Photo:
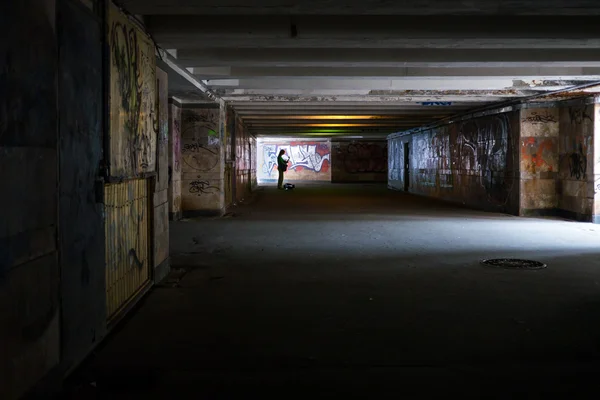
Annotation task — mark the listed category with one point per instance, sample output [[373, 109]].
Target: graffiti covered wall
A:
[[175, 161], [575, 181], [596, 166], [201, 160], [359, 161], [309, 160], [538, 160], [161, 202], [472, 162], [133, 112], [396, 163]]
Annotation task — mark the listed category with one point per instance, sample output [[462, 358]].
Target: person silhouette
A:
[[281, 167]]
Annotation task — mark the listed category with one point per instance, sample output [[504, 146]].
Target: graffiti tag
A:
[[578, 115], [200, 187], [578, 164], [536, 119]]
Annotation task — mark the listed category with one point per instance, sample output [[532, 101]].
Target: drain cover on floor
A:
[[513, 263]]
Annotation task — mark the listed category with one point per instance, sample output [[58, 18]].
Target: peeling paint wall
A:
[[359, 161], [202, 164], [575, 181], [29, 270], [309, 160], [538, 160], [471, 162], [161, 198], [175, 162]]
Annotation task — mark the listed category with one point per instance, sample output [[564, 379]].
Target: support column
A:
[[575, 182], [538, 160], [202, 156], [174, 160], [161, 203], [596, 165]]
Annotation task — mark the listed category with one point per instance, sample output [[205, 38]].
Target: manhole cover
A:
[[513, 263]]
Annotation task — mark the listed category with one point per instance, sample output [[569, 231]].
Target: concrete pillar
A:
[[227, 134], [175, 162], [202, 155], [575, 180], [244, 163], [596, 166], [161, 203], [538, 160]]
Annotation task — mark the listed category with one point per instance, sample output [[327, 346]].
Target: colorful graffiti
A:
[[310, 156], [536, 154]]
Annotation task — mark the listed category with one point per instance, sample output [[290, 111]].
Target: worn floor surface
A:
[[358, 291]]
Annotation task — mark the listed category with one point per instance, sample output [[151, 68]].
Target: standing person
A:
[[282, 167]]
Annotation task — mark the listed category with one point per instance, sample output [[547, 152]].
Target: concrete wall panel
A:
[[175, 162], [81, 223], [596, 166], [396, 163], [161, 195], [539, 161], [575, 180], [29, 271], [29, 325], [243, 160], [472, 162], [359, 161], [202, 177], [133, 119]]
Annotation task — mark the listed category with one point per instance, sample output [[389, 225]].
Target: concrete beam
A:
[[292, 112], [398, 100], [430, 83], [369, 57], [383, 31], [441, 95], [406, 73], [362, 7], [172, 64], [334, 123]]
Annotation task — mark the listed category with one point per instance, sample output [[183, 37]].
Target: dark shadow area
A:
[[387, 298]]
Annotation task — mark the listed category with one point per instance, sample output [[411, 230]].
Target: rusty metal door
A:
[[127, 230]]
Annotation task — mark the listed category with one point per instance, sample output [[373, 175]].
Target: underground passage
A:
[[356, 198]]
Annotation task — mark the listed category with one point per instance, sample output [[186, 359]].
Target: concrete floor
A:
[[360, 291]]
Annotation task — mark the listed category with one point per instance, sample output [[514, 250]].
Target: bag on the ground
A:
[[289, 186]]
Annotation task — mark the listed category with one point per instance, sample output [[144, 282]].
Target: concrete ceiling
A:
[[370, 68]]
